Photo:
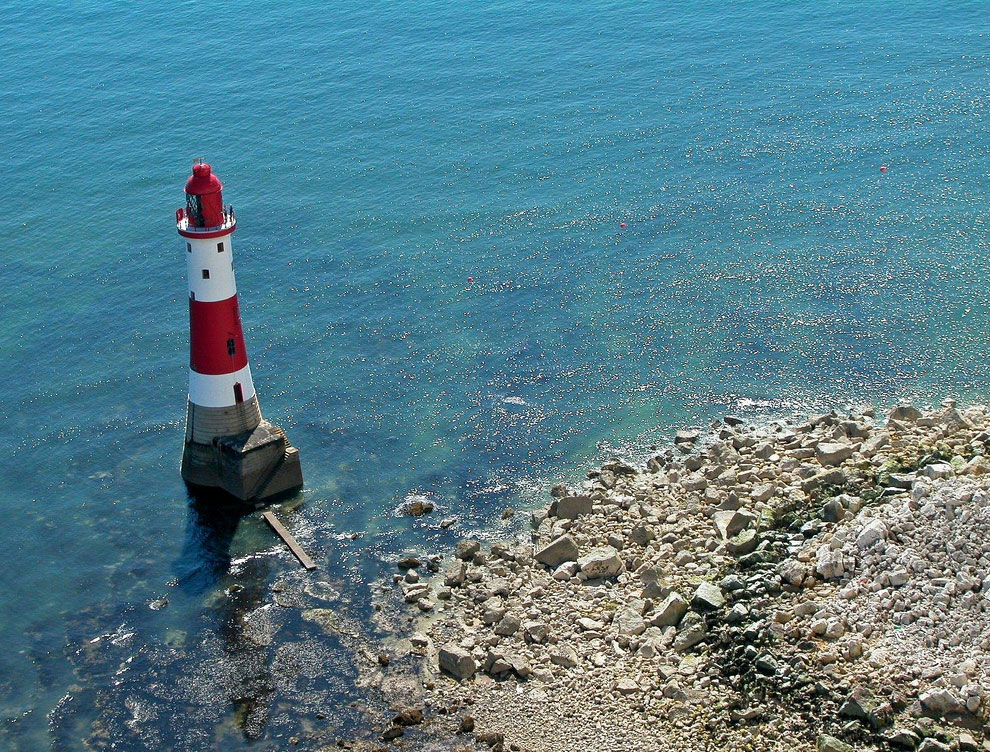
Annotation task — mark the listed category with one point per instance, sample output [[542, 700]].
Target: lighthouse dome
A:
[[203, 182]]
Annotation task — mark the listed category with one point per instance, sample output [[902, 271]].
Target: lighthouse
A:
[[228, 445]]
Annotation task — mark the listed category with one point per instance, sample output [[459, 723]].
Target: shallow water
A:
[[378, 155]]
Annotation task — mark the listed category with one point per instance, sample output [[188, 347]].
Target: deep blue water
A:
[[378, 155]]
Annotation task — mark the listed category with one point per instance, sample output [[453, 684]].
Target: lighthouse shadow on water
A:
[[229, 447], [205, 559], [214, 519]]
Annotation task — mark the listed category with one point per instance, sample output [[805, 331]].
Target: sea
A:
[[481, 247]]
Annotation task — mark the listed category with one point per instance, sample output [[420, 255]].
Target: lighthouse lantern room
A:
[[228, 445]]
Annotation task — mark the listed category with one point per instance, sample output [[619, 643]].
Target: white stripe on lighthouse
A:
[[218, 283], [218, 391]]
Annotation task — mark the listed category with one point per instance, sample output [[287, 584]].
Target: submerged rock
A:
[[417, 507]]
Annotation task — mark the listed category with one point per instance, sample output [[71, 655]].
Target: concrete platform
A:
[[252, 465]]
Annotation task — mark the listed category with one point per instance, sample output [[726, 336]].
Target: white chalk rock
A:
[[834, 629], [938, 470], [456, 661], [564, 655], [730, 523], [833, 453], [829, 563], [898, 577], [600, 562], [670, 611], [940, 700], [561, 550], [629, 620], [571, 507], [873, 532], [792, 571]]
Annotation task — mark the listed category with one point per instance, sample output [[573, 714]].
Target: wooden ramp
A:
[[285, 535]]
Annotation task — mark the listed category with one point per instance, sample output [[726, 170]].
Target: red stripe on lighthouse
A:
[[216, 340]]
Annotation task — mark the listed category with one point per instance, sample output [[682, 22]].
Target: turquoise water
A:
[[378, 155]]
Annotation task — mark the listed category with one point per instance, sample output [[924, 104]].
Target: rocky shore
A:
[[821, 584]]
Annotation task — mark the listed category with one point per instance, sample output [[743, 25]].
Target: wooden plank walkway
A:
[[285, 535]]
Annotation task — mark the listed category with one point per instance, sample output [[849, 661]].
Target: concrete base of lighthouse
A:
[[254, 464]]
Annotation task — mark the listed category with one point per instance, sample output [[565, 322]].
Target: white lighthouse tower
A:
[[228, 444]]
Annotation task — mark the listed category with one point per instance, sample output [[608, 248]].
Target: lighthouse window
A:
[[189, 247], [219, 247], [194, 210], [206, 274], [231, 347]]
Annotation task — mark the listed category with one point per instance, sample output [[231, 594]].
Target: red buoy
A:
[[883, 168], [622, 225], [470, 280]]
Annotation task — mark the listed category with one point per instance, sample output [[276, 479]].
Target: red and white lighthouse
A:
[[228, 444]]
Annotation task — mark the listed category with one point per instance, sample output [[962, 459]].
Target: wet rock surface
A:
[[819, 584], [272, 664]]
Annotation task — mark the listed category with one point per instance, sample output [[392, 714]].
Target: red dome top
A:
[[203, 181]]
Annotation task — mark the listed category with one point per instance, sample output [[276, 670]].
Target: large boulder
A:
[[618, 467], [557, 552], [904, 414], [828, 743], [496, 664], [457, 661], [571, 507], [860, 704], [641, 535], [456, 574], [938, 470], [941, 701], [833, 477], [792, 571], [873, 532], [508, 626], [932, 744], [829, 564], [708, 597], [466, 549], [600, 562], [691, 632], [903, 738], [833, 453], [742, 544], [535, 631], [563, 655], [629, 620], [732, 522], [670, 611]]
